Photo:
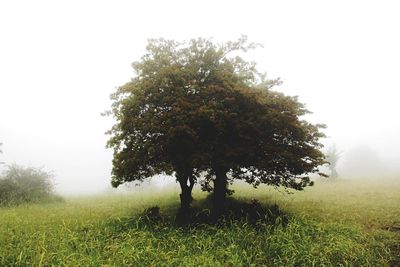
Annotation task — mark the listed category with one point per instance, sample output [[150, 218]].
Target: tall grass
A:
[[324, 226]]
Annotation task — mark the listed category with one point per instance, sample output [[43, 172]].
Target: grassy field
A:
[[347, 223]]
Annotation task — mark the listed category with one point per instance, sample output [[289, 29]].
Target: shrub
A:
[[26, 184]]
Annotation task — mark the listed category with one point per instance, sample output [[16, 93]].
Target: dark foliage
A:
[[244, 212], [151, 215], [252, 213]]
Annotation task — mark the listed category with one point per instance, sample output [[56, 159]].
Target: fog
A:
[[60, 61]]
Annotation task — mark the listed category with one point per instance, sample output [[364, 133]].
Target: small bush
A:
[[20, 185], [151, 215]]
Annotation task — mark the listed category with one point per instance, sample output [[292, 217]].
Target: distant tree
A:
[[1, 151], [332, 157], [198, 109], [19, 184]]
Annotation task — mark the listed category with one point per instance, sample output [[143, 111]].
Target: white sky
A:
[[60, 61]]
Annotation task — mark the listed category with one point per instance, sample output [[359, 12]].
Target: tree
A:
[[19, 184], [1, 151], [197, 109], [332, 157]]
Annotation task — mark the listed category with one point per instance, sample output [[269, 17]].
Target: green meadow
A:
[[343, 223]]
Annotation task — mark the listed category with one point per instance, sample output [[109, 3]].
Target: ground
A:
[[347, 223]]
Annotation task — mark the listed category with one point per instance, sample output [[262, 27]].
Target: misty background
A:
[[60, 61]]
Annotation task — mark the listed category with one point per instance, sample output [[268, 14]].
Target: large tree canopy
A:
[[197, 109]]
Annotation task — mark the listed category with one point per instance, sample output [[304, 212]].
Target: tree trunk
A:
[[186, 197], [186, 191], [220, 190]]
